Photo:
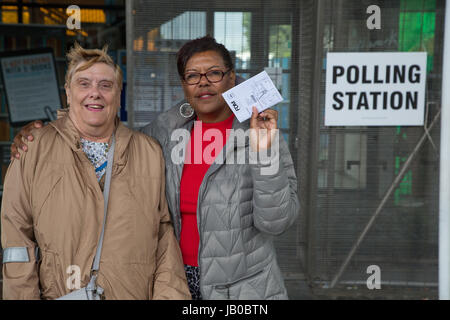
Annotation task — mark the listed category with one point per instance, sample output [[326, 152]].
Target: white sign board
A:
[[31, 86], [258, 91], [375, 89]]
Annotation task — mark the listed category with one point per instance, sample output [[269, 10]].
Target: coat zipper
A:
[[178, 174], [201, 192], [199, 219], [200, 235]]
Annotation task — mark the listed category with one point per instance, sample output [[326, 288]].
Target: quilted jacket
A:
[[239, 211]]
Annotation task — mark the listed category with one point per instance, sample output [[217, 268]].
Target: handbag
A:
[[92, 291]]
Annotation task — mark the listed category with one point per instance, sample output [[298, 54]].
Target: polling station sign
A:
[[375, 88]]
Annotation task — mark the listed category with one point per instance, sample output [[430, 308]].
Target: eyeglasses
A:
[[212, 76], [104, 85]]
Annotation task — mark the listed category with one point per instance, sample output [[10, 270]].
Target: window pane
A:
[[232, 29]]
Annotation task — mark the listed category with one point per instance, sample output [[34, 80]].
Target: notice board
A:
[[31, 85]]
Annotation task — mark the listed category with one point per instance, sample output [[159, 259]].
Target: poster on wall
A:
[[375, 88], [31, 85]]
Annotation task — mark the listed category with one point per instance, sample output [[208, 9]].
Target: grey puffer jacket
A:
[[239, 211]]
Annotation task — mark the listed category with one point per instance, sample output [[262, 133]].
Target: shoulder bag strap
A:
[[95, 266]]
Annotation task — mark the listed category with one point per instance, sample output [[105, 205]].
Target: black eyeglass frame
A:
[[204, 74]]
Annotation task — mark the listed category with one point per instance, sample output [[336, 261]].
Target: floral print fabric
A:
[[97, 153]]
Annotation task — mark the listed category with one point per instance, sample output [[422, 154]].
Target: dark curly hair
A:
[[198, 45]]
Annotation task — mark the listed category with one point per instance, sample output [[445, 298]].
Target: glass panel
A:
[[416, 33], [232, 29], [357, 166], [280, 42], [351, 161], [186, 26], [279, 60]]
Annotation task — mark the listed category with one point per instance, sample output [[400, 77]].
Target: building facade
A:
[[369, 194], [363, 209]]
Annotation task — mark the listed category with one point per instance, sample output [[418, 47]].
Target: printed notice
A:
[[31, 86], [258, 91], [375, 88]]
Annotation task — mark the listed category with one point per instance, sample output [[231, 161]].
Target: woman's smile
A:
[[94, 107]]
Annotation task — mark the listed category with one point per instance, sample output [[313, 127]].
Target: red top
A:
[[194, 170]]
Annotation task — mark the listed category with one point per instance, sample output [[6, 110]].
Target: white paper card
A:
[[258, 91]]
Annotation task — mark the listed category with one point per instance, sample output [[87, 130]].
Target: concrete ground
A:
[[301, 290]]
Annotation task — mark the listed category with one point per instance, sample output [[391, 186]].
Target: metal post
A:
[[129, 19], [391, 189], [444, 172], [314, 128]]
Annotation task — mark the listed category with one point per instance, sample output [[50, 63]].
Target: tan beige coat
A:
[[52, 199]]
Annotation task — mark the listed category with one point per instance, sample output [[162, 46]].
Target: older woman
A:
[[53, 201], [225, 214]]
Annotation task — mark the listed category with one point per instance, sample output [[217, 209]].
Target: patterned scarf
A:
[[97, 153]]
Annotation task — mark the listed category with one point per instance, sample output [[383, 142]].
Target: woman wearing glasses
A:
[[225, 213]]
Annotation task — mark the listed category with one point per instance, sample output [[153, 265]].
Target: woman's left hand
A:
[[263, 127]]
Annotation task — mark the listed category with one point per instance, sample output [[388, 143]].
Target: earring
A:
[[186, 110]]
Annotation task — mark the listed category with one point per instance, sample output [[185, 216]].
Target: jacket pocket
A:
[[47, 273], [226, 288]]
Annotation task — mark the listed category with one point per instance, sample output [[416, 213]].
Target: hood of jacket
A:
[[66, 128]]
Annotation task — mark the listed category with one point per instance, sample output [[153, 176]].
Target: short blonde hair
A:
[[80, 59]]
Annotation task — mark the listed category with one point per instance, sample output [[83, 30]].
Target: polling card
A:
[[258, 91]]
